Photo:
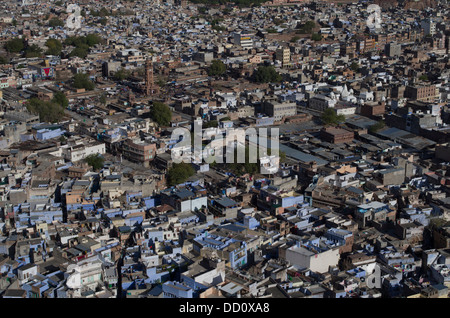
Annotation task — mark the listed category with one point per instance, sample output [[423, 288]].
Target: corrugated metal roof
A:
[[301, 156]]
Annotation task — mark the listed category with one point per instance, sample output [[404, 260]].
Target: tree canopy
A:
[[15, 45], [60, 99], [239, 168], [103, 12], [211, 124], [266, 74], [295, 39], [48, 111], [376, 127], [80, 52], [79, 41], [217, 68], [54, 47], [82, 80], [179, 173], [82, 44], [316, 37], [33, 51], [103, 99], [306, 28], [55, 22], [354, 66], [3, 60], [329, 117], [121, 74], [161, 114], [96, 161]]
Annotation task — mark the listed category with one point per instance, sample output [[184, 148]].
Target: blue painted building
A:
[[177, 290], [229, 249], [44, 134]]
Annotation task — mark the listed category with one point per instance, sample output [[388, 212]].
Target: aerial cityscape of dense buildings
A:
[[344, 104]]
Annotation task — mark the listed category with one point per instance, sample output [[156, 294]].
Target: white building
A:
[[85, 275], [313, 259], [26, 272], [76, 150]]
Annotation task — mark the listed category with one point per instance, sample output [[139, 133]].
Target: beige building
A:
[[314, 260], [283, 55], [278, 110]]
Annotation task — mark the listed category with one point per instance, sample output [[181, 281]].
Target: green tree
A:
[[266, 74], [96, 161], [82, 80], [218, 28], [239, 168], [316, 37], [376, 127], [295, 39], [80, 52], [54, 47], [103, 99], [329, 117], [33, 51], [310, 25], [306, 28], [217, 68], [55, 22], [179, 173], [423, 77], [74, 41], [161, 114], [121, 74], [15, 45], [104, 12], [92, 39], [82, 44], [211, 124], [354, 66], [60, 99], [47, 111], [3, 60]]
